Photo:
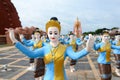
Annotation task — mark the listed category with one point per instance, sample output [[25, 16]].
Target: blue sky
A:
[[93, 14]]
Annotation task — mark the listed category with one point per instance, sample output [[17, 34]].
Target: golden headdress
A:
[[53, 23]]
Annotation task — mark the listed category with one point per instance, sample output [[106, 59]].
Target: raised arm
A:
[[96, 46], [115, 47], [25, 50], [75, 55], [26, 42], [30, 53], [44, 44], [67, 41], [80, 54], [79, 42]]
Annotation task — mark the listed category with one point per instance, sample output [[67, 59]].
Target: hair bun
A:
[[54, 18]]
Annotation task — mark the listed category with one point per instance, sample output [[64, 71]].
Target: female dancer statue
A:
[[104, 51], [55, 53]]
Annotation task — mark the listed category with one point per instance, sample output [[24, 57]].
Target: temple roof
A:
[[77, 23], [8, 16]]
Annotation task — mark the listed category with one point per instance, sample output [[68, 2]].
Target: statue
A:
[[77, 28]]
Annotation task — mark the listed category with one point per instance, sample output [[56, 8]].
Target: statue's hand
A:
[[90, 43], [11, 34], [21, 36]]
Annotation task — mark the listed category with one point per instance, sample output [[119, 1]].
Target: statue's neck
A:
[[54, 44]]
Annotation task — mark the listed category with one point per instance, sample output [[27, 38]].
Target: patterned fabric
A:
[[54, 62], [73, 44], [40, 68], [118, 43], [38, 45], [56, 55], [107, 48], [105, 71]]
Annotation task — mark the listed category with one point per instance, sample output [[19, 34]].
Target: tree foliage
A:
[[98, 31]]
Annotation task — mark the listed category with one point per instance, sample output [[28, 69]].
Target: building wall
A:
[[3, 39], [8, 18]]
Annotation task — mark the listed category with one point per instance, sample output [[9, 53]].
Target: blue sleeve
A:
[[60, 39], [27, 42], [96, 46], [75, 55], [67, 41], [113, 43], [79, 42], [47, 40], [115, 47], [86, 38], [44, 44], [32, 54]]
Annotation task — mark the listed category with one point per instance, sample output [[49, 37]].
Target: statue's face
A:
[[71, 36], [53, 34], [117, 37], [105, 37], [62, 37], [32, 36], [37, 35]]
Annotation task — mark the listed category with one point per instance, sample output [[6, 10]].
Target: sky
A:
[[93, 14]]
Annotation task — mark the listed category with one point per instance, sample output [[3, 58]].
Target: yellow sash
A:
[[73, 44], [118, 43], [107, 48], [44, 40], [38, 45], [57, 56]]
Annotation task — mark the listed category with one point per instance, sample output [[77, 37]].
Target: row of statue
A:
[[51, 49]]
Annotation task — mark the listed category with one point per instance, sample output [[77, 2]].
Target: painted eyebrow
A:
[[50, 31], [55, 31], [106, 36]]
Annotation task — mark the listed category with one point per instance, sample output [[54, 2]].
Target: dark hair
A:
[[36, 29], [40, 32], [71, 33], [105, 32], [117, 33], [33, 32], [55, 19]]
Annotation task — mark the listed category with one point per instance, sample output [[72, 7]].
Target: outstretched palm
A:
[[11, 34]]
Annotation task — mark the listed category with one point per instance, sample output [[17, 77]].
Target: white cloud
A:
[[93, 14]]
